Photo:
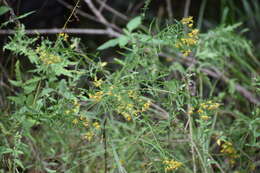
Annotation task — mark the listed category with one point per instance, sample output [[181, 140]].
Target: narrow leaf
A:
[[108, 44], [134, 23], [3, 10]]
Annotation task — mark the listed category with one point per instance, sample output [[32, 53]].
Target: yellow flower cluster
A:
[[206, 106], [127, 102], [125, 109], [209, 105], [171, 165], [97, 96], [64, 36], [190, 39], [75, 107], [88, 136], [87, 124], [97, 83], [146, 106], [128, 108], [228, 149], [47, 58], [187, 21], [96, 125]]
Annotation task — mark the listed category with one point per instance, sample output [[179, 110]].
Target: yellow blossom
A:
[[97, 83], [178, 45], [103, 64], [171, 165], [193, 33], [146, 106], [88, 136], [82, 118], [126, 115], [186, 52], [213, 106], [200, 111], [85, 123], [46, 57], [204, 117], [67, 111], [64, 36], [190, 25], [96, 125], [75, 121], [187, 20], [189, 41], [228, 149], [97, 96], [203, 105]]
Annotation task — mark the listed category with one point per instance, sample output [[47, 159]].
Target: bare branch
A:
[[187, 8], [169, 8], [108, 31], [78, 11], [215, 73], [100, 17], [108, 8]]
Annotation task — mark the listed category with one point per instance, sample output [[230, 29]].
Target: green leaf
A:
[[134, 23], [16, 83], [18, 71], [123, 40], [29, 88], [108, 44], [3, 10], [19, 163]]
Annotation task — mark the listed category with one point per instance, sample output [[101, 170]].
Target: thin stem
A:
[[187, 8], [105, 145], [201, 13]]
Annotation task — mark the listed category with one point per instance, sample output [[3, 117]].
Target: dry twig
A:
[[108, 31]]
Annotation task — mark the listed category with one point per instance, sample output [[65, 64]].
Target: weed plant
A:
[[172, 104]]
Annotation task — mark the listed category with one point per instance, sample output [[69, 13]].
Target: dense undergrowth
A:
[[172, 101]]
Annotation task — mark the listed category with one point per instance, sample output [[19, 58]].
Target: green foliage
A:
[[157, 111], [3, 10]]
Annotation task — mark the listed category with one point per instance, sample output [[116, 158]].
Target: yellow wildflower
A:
[[97, 96], [126, 115], [46, 57], [82, 118], [189, 41], [193, 33], [88, 136], [97, 83], [75, 121], [96, 125], [213, 106], [200, 111], [228, 149], [64, 36], [204, 117], [171, 165], [186, 52], [85, 123], [146, 106], [203, 105], [103, 64], [187, 20]]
